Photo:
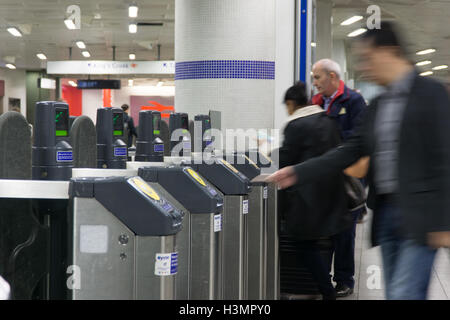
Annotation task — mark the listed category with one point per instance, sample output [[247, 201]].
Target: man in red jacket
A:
[[346, 107]]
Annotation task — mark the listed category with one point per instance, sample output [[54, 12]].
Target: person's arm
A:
[[355, 115], [359, 169], [333, 161]]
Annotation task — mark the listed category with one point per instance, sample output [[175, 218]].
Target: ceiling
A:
[[424, 24], [104, 24]]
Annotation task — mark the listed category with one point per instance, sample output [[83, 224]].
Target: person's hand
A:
[[439, 239], [284, 178]]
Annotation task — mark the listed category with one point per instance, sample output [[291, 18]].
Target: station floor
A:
[[365, 257]]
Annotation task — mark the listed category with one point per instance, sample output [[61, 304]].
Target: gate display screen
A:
[[61, 122], [118, 124], [156, 124]]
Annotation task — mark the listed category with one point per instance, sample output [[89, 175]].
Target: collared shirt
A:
[[327, 101], [387, 129]]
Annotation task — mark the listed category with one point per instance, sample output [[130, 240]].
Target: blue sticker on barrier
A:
[[120, 152], [158, 148], [64, 156], [174, 263]]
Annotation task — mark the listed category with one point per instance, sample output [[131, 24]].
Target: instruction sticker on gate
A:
[[245, 206], [166, 264], [120, 152], [217, 222], [265, 193]]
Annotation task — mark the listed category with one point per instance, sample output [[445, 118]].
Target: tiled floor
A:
[[369, 274]]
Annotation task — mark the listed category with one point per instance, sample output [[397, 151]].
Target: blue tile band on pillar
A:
[[225, 69]]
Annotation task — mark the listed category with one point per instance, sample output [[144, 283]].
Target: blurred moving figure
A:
[[346, 107], [5, 289], [130, 123], [406, 133], [313, 211]]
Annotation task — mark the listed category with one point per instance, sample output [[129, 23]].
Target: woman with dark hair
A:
[[312, 213]]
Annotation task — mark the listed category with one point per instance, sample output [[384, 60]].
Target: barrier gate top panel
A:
[[187, 186], [223, 175], [133, 202]]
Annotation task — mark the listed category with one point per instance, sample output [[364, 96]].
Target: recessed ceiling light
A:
[[72, 83], [351, 20], [132, 56], [130, 82], [41, 56], [423, 63], [444, 66], [313, 44], [356, 32], [86, 54], [133, 11], [426, 73], [160, 84], [10, 66], [14, 31], [427, 51], [69, 24], [97, 16], [132, 28], [81, 45]]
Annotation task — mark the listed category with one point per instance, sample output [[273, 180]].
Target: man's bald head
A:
[[327, 75]]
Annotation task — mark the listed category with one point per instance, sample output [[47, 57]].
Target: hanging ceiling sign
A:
[[111, 67]]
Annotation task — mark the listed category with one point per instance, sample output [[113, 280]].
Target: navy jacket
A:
[[346, 107]]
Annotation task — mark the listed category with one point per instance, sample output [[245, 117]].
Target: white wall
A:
[[93, 99], [123, 95], [285, 57], [15, 87]]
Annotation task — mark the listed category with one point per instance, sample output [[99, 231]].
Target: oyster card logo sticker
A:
[[196, 177], [145, 188]]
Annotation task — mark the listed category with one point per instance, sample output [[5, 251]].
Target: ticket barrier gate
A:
[[235, 188], [257, 226], [201, 229], [122, 253]]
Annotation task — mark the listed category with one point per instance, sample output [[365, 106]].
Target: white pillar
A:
[[225, 60]]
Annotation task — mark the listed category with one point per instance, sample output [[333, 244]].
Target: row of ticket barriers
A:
[[81, 217]]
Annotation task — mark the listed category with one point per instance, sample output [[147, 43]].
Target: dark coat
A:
[[346, 108], [423, 164], [319, 209]]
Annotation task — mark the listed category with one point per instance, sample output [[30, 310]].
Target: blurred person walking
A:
[[128, 120], [405, 131]]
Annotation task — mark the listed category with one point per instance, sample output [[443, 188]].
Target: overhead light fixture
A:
[[160, 84], [130, 82], [426, 73], [423, 63], [132, 28], [72, 83], [356, 32], [69, 24], [86, 54], [81, 45], [132, 56], [427, 51], [133, 11], [444, 66], [41, 56], [313, 44], [14, 31], [351, 20], [10, 66]]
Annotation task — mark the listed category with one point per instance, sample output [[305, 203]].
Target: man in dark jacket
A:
[[314, 211], [405, 132], [346, 107], [130, 125]]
